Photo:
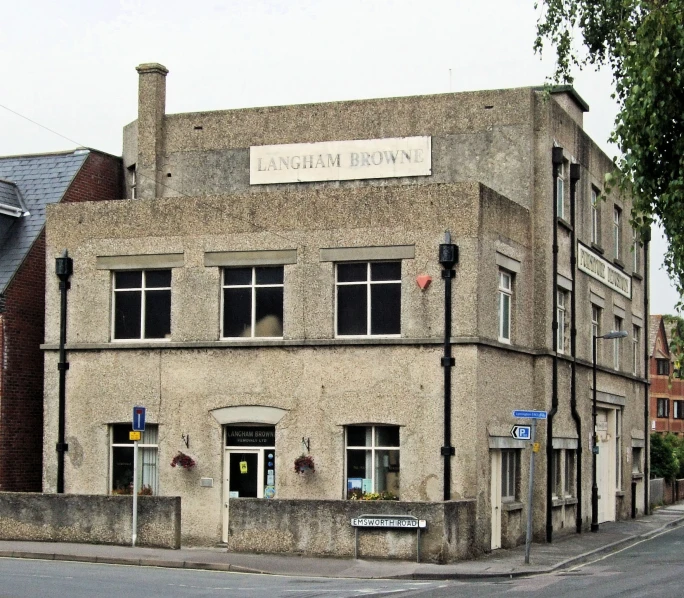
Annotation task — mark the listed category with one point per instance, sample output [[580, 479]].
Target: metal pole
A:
[[135, 493], [528, 538], [594, 449]]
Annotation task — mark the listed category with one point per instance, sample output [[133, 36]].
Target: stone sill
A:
[[597, 247], [564, 502], [637, 276], [564, 223], [512, 506]]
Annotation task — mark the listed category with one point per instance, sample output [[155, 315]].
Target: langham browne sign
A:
[[340, 160], [598, 268]]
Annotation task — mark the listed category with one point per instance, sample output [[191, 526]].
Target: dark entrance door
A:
[[243, 472]]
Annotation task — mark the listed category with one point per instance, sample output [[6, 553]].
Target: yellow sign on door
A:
[[243, 466]]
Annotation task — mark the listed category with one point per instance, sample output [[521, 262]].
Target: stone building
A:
[[277, 291], [28, 184]]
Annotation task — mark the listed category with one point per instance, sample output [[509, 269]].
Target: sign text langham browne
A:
[[340, 160]]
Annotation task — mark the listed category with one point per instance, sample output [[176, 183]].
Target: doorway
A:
[[606, 464], [496, 498]]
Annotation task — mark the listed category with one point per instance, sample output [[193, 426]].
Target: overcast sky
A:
[[70, 65]]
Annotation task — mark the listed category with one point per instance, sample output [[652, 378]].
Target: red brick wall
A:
[[22, 327], [664, 387]]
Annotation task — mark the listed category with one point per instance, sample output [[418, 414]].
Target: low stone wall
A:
[[323, 528], [92, 519]]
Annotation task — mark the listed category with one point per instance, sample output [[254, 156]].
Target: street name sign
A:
[[528, 414], [395, 521], [521, 432], [139, 419]]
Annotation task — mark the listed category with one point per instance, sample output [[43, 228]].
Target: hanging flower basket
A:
[[304, 463], [184, 461]]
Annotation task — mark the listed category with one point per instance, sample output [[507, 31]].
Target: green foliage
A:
[[642, 43], [667, 456]]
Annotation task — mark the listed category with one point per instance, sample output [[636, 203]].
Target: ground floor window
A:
[[510, 475], [121, 460], [372, 461]]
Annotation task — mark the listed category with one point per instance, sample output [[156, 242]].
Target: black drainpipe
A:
[[64, 267], [647, 431], [574, 177], [448, 256], [557, 160]]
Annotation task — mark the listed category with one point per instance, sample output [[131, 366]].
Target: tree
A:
[[642, 43], [664, 451]]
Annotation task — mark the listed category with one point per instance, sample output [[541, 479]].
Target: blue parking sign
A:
[[139, 419]]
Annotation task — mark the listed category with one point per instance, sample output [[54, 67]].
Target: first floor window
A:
[[368, 299], [636, 333], [595, 217], [617, 228], [595, 325], [509, 475], [372, 461], [663, 408], [677, 409], [561, 317], [504, 307], [663, 367], [253, 302], [121, 460], [560, 189], [616, 344], [142, 304]]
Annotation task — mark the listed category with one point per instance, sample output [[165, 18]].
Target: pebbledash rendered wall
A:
[[491, 185]]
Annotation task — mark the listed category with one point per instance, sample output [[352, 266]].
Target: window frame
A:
[[253, 286], [509, 494], [561, 319], [636, 340], [504, 307], [569, 473], [141, 446], [595, 217], [662, 407], [662, 367], [369, 283], [560, 189], [373, 448], [616, 343], [677, 409], [617, 229], [635, 251], [143, 304]]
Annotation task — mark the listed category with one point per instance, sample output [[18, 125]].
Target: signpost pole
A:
[[135, 493], [528, 538]]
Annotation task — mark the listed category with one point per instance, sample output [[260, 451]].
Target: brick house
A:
[[667, 394], [27, 185]]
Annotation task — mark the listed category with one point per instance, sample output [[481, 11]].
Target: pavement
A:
[[564, 552]]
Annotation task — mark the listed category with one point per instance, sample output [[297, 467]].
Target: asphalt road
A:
[[653, 568]]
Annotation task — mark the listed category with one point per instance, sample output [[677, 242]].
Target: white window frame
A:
[[369, 305], [616, 344], [143, 444], [372, 448], [560, 189], [143, 304], [510, 458], [636, 337], [595, 222], [505, 299], [617, 225], [635, 251], [253, 286], [561, 314]]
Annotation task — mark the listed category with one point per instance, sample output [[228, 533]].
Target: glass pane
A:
[[243, 474], [120, 433], [352, 309], [239, 276], [386, 271], [385, 309], [359, 435], [272, 275], [387, 472], [149, 436], [504, 473], [122, 470], [387, 436], [505, 315], [148, 478], [127, 280], [157, 314], [356, 464], [127, 308], [352, 272], [269, 311], [158, 278], [237, 312], [511, 474]]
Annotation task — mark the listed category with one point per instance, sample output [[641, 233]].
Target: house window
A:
[[569, 474], [617, 222], [663, 408], [133, 181], [637, 466], [561, 316], [560, 189], [121, 460], [372, 460], [635, 251], [595, 325], [636, 334], [595, 217], [509, 475], [677, 409], [616, 344], [663, 367], [142, 304], [505, 295], [368, 299], [557, 473], [252, 302]]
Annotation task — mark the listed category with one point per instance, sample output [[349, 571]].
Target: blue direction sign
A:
[[521, 432], [139, 419], [529, 414]]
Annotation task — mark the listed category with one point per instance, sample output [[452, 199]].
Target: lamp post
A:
[[594, 448]]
